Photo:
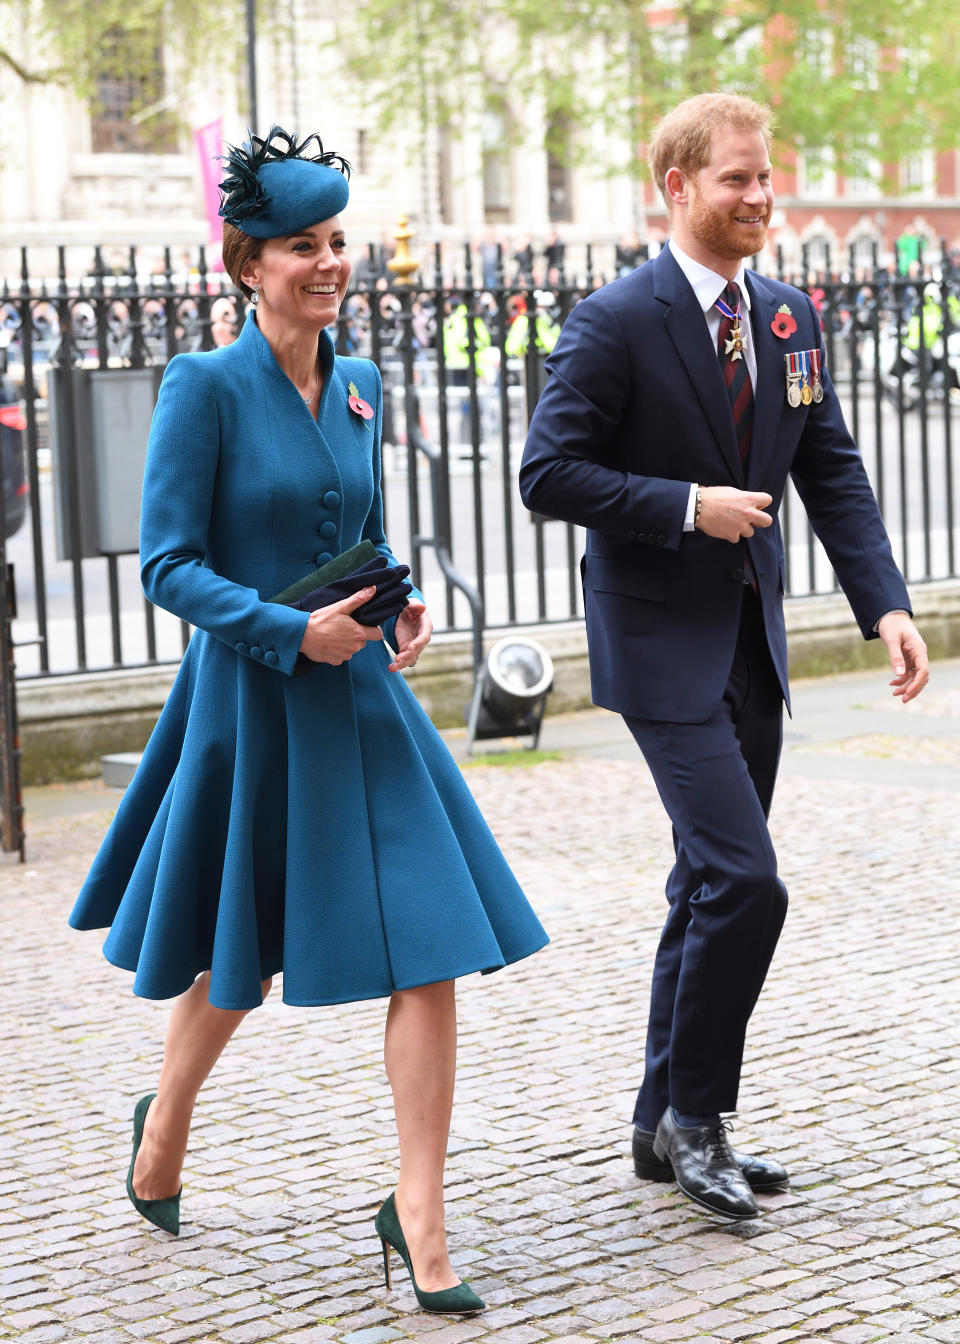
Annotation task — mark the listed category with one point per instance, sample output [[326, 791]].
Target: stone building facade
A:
[[64, 180]]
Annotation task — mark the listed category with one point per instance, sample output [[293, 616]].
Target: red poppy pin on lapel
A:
[[784, 324], [358, 405]]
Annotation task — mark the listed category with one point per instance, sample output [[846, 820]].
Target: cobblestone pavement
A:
[[852, 1078]]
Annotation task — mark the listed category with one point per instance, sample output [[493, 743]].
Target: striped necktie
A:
[[736, 375]]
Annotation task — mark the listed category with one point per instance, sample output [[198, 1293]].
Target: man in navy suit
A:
[[680, 398]]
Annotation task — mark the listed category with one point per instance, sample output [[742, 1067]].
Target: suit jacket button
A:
[[331, 499], [256, 651], [243, 648], [737, 575], [631, 534], [661, 540], [328, 530], [323, 558], [271, 657]]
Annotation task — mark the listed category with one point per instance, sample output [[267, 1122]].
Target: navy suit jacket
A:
[[634, 410]]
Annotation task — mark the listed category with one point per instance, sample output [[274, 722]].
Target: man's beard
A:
[[721, 234]]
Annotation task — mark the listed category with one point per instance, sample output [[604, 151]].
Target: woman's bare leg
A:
[[420, 1053], [196, 1035]]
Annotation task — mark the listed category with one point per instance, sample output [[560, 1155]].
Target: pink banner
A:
[[209, 142]]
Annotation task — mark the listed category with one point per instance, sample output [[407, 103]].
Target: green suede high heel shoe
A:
[[458, 1300], [163, 1213]]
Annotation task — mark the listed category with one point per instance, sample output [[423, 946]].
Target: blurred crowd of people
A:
[[905, 303]]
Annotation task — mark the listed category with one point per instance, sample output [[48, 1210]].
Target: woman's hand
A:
[[333, 636], [412, 633]]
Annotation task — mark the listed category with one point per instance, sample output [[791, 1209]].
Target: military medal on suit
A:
[[736, 342], [804, 383]]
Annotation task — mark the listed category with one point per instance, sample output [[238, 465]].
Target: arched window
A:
[[125, 87], [817, 252], [497, 194], [559, 186], [863, 248]]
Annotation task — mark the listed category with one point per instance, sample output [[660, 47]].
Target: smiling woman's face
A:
[[302, 278]]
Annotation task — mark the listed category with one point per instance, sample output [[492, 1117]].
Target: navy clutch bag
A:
[[356, 568], [389, 599], [351, 559]]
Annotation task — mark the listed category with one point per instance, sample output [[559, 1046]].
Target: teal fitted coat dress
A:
[[311, 824]]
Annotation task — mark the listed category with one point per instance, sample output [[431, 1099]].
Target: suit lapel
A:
[[687, 329], [768, 395]]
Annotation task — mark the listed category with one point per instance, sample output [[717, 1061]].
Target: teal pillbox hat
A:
[[274, 189]]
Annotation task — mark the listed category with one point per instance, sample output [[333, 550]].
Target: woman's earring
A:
[[255, 295]]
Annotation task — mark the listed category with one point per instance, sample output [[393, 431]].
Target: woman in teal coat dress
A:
[[311, 824]]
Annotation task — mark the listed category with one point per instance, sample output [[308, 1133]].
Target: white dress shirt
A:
[[708, 286]]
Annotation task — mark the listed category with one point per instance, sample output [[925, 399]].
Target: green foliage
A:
[[873, 82], [518, 756], [72, 42]]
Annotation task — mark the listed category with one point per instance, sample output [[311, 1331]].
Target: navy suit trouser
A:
[[726, 903]]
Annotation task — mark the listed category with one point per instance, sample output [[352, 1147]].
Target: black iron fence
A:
[[462, 363]]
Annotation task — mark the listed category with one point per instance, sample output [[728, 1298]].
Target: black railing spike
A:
[[470, 455]]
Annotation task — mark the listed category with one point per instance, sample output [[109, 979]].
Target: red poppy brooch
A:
[[11, 417], [784, 324], [359, 406]]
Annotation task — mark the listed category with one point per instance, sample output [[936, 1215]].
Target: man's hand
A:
[[908, 654], [729, 514]]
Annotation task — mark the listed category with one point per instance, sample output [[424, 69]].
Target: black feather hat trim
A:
[[242, 193]]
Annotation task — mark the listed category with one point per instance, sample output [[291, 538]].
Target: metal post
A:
[[411, 415], [11, 799], [439, 308], [471, 298], [251, 9], [948, 290], [33, 470], [63, 362], [506, 474]]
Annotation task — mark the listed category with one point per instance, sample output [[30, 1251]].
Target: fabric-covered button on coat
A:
[[313, 824]]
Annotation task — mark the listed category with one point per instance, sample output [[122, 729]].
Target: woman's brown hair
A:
[[238, 250]]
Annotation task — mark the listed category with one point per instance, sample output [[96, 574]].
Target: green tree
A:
[[873, 82], [73, 43]]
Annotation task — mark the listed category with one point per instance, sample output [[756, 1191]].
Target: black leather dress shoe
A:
[[761, 1173], [704, 1167]]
